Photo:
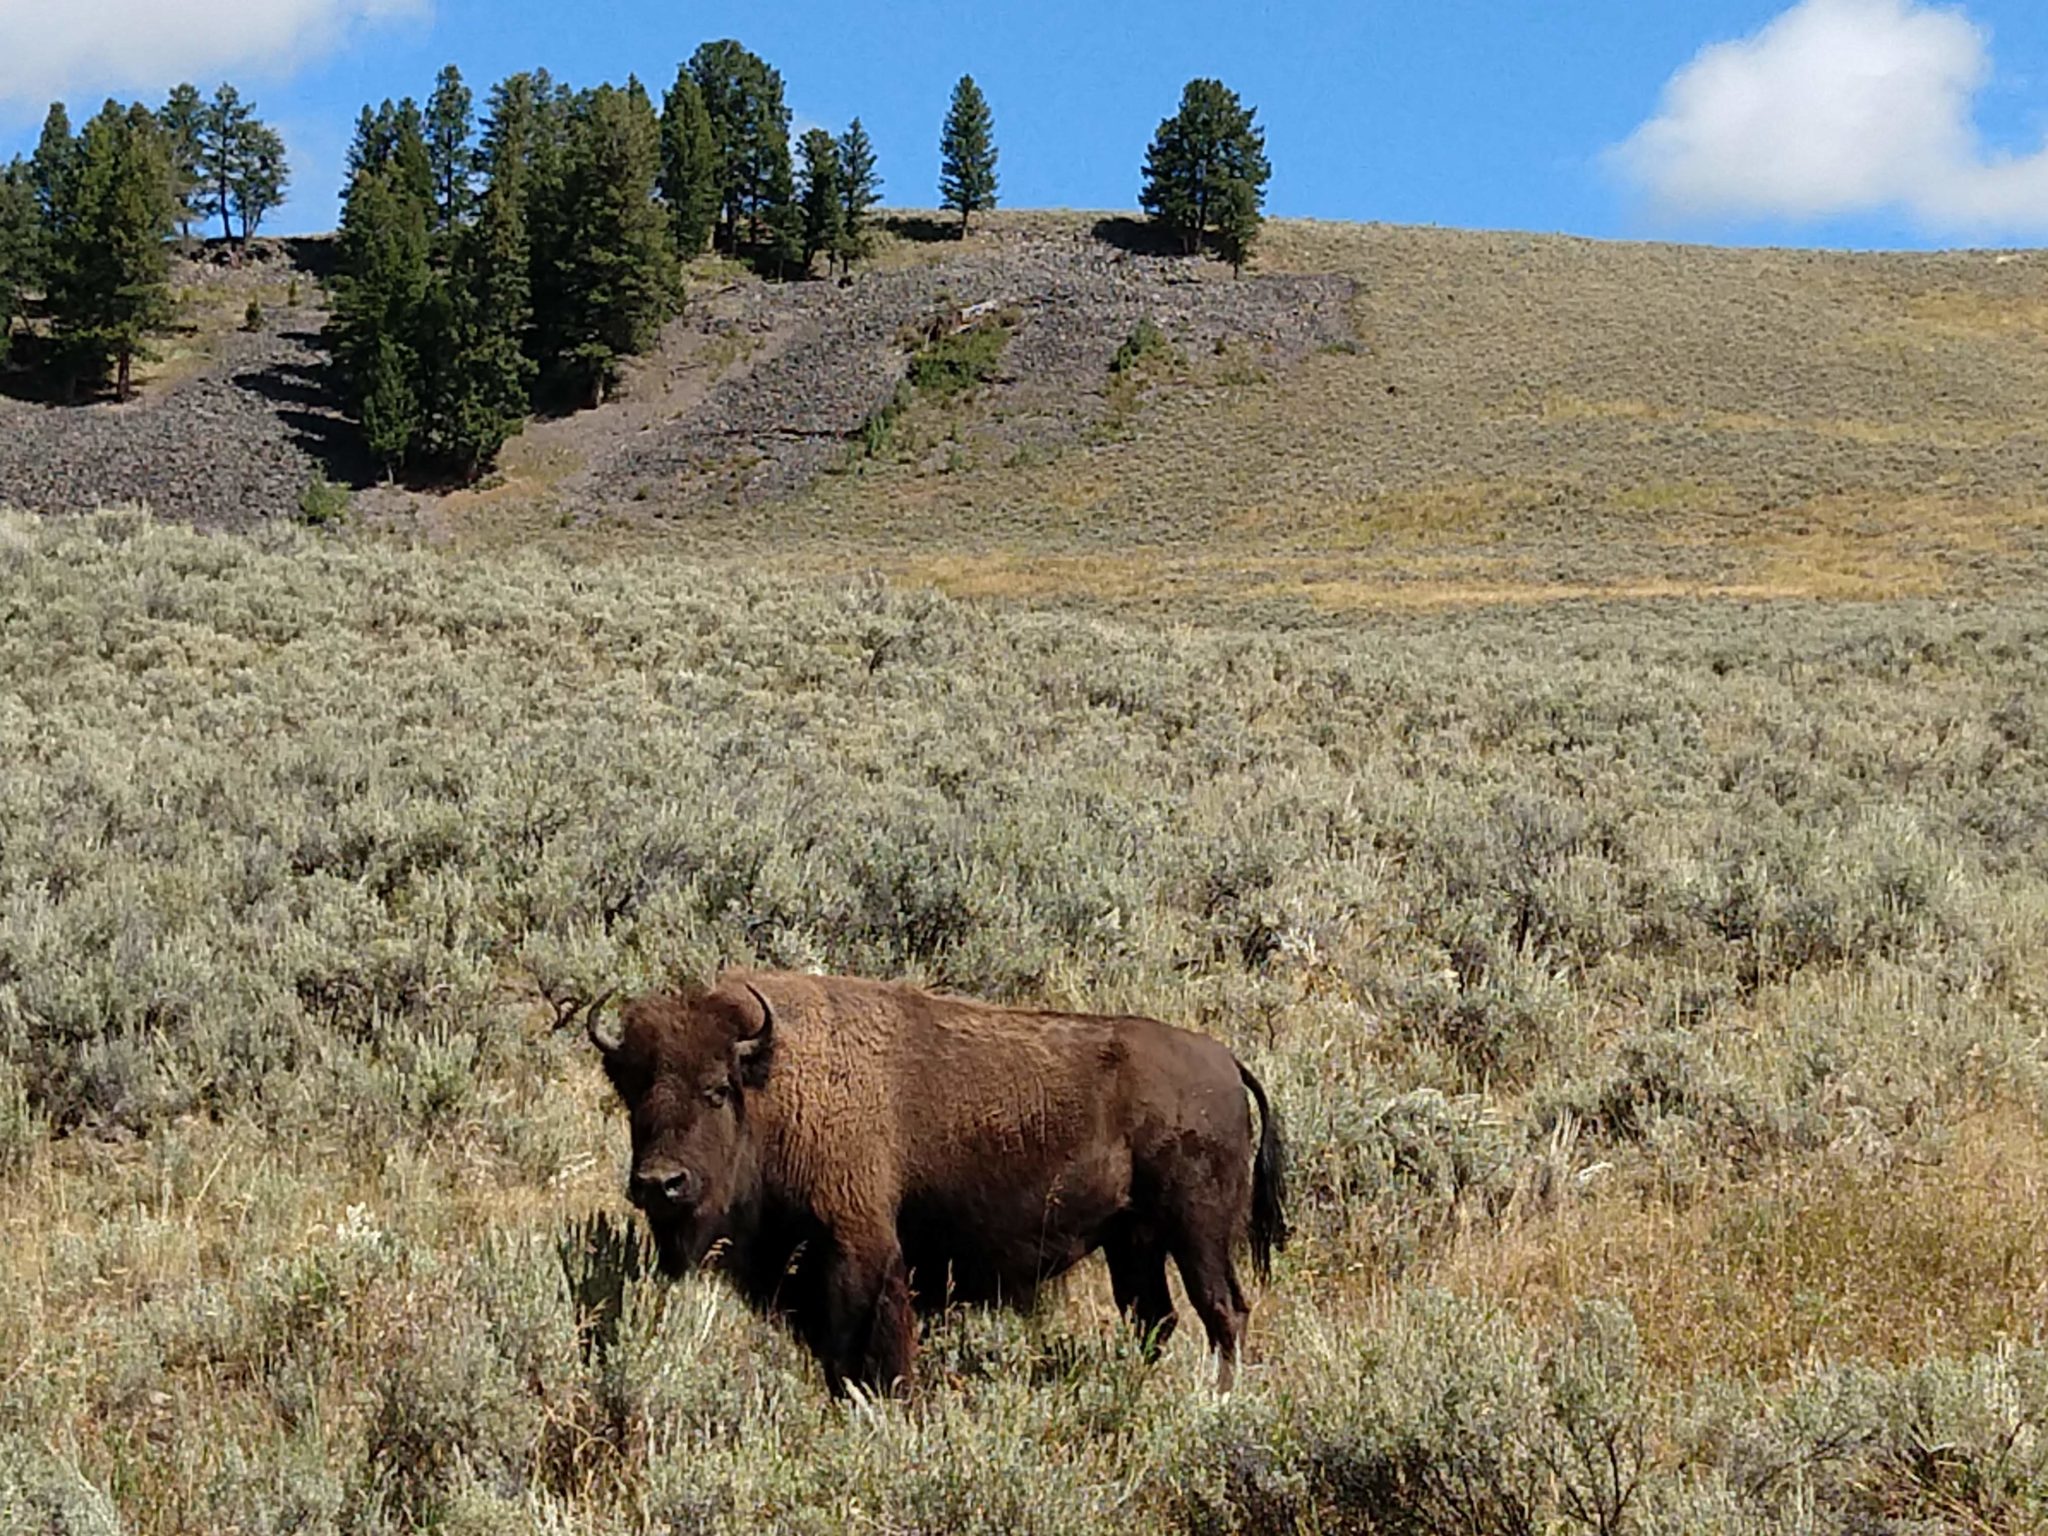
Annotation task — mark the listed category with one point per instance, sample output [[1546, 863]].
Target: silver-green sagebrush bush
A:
[[306, 844]]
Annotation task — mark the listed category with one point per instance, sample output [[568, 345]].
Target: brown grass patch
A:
[[1974, 314], [1829, 1262]]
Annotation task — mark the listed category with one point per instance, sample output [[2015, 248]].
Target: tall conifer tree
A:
[[53, 168], [619, 279], [109, 270], [222, 151], [511, 122], [967, 153], [184, 121], [20, 248], [750, 131], [1206, 171], [450, 122], [860, 188], [242, 164], [263, 176], [823, 196], [490, 380], [380, 298], [689, 166]]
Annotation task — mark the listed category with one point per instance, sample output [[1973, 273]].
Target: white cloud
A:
[[54, 49], [1838, 107]]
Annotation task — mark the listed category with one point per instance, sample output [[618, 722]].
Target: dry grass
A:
[[1747, 424], [1841, 1259], [1668, 940]]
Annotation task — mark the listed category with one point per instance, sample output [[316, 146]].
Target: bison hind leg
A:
[[1137, 1274], [1210, 1276]]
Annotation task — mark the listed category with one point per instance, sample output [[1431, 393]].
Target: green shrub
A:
[[1146, 344], [323, 504], [959, 362]]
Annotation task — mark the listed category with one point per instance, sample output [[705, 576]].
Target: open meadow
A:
[[1606, 805]]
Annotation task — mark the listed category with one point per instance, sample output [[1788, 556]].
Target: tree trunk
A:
[[122, 373]]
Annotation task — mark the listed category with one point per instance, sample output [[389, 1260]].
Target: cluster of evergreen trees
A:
[[85, 224], [225, 161], [729, 179], [472, 271], [482, 276]]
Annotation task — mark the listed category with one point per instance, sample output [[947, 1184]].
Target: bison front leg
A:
[[870, 1335]]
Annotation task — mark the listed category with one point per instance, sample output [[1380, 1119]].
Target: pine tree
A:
[[395, 132], [409, 159], [823, 195], [20, 248], [222, 146], [388, 407], [450, 122], [512, 116], [860, 188], [109, 266], [750, 132], [381, 295], [54, 168], [370, 147], [490, 383], [618, 277], [183, 117], [542, 186], [1206, 171], [967, 153], [260, 180], [1237, 222], [689, 166]]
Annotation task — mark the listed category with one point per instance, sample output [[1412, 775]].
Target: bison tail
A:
[[1269, 1183]]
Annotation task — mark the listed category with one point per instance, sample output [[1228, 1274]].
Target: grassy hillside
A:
[[1514, 418], [1653, 990]]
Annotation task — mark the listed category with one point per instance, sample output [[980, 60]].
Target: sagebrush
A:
[[1652, 992]]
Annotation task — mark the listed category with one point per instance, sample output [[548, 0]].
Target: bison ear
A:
[[751, 1053]]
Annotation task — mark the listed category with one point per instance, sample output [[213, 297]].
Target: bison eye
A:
[[717, 1095]]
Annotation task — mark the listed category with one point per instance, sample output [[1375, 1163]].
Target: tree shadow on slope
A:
[[33, 373], [305, 399], [317, 256], [1139, 237], [922, 228], [20, 380]]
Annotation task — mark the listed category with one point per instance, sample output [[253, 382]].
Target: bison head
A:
[[684, 1066]]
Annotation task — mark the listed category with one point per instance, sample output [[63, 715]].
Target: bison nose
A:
[[656, 1188]]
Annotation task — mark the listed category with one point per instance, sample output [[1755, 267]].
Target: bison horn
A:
[[593, 1024], [758, 1042]]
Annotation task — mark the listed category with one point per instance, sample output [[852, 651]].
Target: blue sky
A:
[[1830, 122]]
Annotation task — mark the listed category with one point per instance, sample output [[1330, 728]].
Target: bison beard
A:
[[853, 1153]]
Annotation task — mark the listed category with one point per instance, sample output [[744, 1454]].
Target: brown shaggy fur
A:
[[853, 1152]]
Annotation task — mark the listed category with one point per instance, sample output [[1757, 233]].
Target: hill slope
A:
[[1378, 416]]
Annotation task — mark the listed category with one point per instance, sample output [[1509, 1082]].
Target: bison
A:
[[853, 1154]]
